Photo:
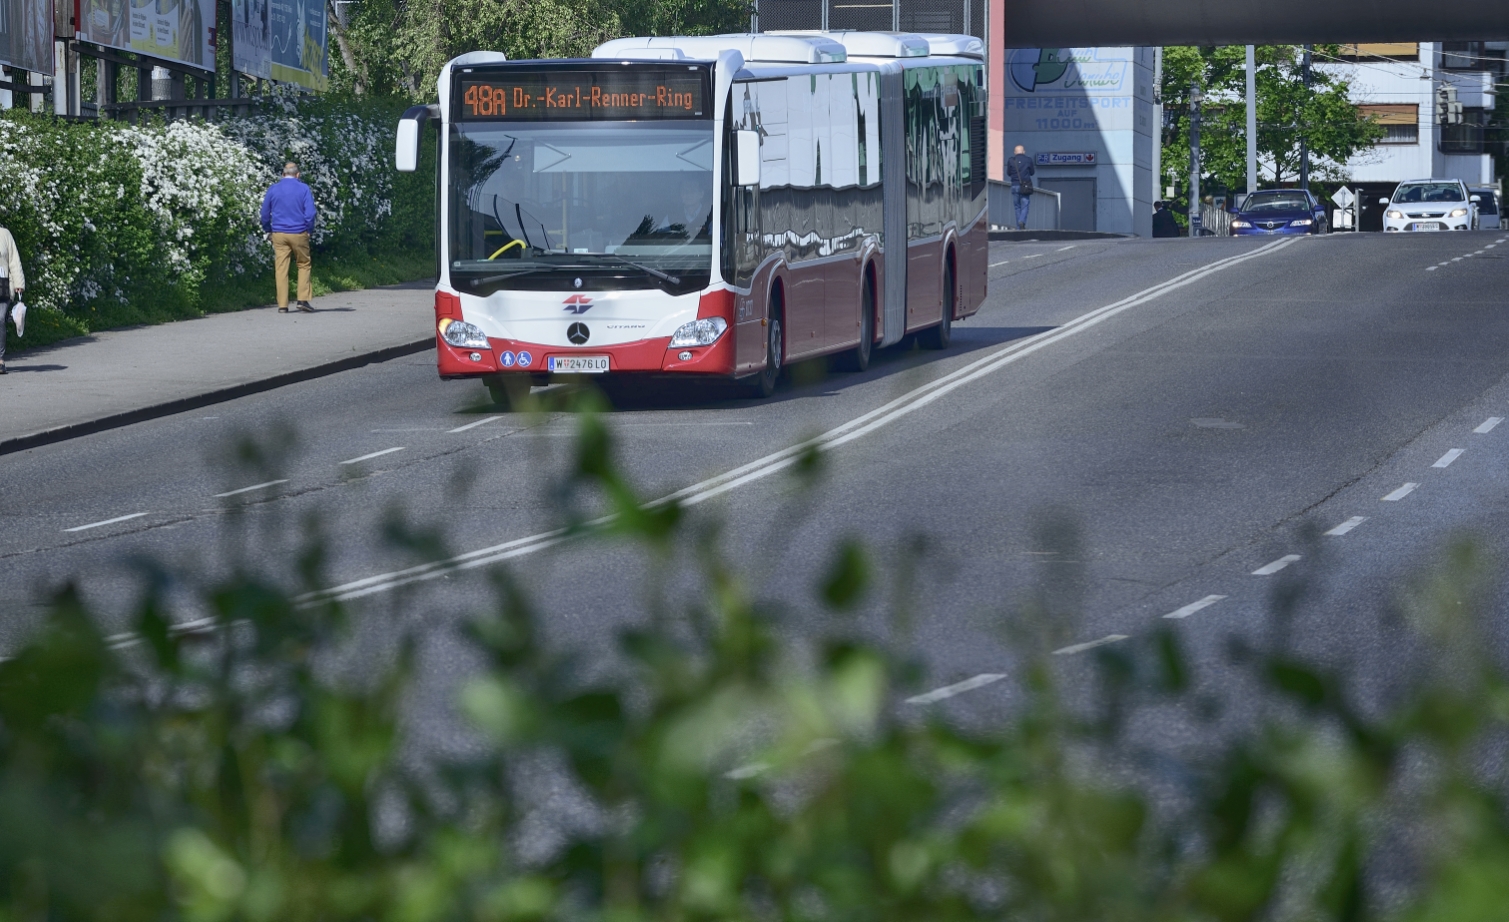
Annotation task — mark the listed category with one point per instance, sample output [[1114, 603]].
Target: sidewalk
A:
[[120, 377]]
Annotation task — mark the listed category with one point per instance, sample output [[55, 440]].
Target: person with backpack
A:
[[1019, 171], [12, 283]]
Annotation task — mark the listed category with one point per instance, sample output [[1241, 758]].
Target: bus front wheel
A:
[[775, 358]]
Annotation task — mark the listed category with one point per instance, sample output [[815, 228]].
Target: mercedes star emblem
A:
[[578, 333]]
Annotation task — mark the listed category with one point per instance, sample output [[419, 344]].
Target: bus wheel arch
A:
[[762, 383], [940, 335], [858, 358]]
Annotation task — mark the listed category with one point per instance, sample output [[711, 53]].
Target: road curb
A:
[[1047, 236], [168, 408]]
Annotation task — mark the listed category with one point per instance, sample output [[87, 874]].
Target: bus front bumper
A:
[[646, 356]]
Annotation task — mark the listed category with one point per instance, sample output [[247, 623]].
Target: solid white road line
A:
[[1277, 565], [480, 422], [1446, 459], [781, 460], [259, 486], [119, 518], [1193, 607], [1082, 647], [1400, 493], [1488, 425], [958, 688], [1348, 525], [375, 454]]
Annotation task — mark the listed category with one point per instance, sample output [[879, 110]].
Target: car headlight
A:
[[1240, 223], [1459, 213], [1301, 222], [462, 335], [1396, 214], [702, 332]]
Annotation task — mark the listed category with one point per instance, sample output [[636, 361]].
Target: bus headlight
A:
[[462, 335], [702, 332]]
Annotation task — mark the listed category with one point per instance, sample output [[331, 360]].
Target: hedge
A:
[[125, 224]]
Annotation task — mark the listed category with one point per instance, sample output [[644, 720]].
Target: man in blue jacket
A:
[[288, 220]]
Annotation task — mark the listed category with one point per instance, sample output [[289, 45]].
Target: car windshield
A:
[[535, 202], [1259, 202], [1420, 192]]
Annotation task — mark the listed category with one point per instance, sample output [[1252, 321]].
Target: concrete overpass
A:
[[1082, 23]]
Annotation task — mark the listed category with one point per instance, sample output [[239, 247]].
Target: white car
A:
[[1488, 209], [1430, 205]]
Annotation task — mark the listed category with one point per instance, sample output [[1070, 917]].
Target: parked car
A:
[[1431, 205], [1488, 209], [1279, 211]]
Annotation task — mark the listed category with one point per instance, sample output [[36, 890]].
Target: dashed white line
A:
[[375, 454], [1348, 525], [958, 688], [119, 518], [480, 422], [1400, 493], [1488, 425], [1272, 568], [1069, 247], [1446, 459], [1193, 607], [1431, 268], [258, 486], [1082, 647]]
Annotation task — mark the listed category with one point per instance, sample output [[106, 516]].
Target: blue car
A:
[[1279, 211]]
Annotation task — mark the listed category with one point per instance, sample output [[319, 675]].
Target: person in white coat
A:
[[12, 283]]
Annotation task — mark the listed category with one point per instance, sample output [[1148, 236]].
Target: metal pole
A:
[[1195, 98], [825, 15], [1304, 130], [1252, 180]]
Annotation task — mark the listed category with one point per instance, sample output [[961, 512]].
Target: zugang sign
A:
[[622, 93]]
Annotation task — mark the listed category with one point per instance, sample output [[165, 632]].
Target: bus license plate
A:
[[579, 364]]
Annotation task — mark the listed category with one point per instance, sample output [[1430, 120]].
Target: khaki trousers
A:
[[284, 247]]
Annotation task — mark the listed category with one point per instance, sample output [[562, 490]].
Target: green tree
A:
[[1288, 112]]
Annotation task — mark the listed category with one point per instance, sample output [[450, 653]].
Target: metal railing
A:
[[1042, 214]]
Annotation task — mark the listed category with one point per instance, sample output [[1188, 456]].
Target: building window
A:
[[1463, 56], [1467, 137], [1401, 123], [1393, 51]]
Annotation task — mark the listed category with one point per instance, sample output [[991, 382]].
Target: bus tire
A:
[[509, 391], [940, 336], [858, 358], [764, 383]]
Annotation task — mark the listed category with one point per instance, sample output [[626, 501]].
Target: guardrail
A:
[[1042, 214]]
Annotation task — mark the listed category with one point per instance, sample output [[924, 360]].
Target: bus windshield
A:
[[581, 204]]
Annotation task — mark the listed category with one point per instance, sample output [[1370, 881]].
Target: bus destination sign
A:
[[620, 94]]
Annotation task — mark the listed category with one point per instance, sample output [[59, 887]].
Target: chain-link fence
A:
[[958, 17]]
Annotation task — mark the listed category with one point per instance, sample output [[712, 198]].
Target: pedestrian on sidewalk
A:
[[12, 283], [288, 220], [1164, 222], [1019, 170]]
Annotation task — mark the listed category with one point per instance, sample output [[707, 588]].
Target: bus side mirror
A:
[[410, 129], [747, 158]]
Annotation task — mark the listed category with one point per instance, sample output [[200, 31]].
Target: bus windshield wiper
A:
[[647, 270], [489, 279]]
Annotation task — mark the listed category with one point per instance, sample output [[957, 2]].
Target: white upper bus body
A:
[[615, 214]]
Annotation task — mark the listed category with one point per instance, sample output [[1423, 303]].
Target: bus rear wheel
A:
[[940, 336], [764, 383], [858, 358]]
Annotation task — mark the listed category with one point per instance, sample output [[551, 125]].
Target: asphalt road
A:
[[1128, 428]]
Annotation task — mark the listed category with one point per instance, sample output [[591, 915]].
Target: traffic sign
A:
[[1344, 197]]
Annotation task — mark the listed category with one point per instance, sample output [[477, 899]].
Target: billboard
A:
[[26, 34], [299, 42], [170, 30], [251, 53]]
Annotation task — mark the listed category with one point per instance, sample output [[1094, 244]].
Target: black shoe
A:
[[3, 371], [304, 306]]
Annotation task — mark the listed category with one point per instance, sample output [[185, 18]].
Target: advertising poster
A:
[[251, 33], [26, 34], [170, 30], [300, 41]]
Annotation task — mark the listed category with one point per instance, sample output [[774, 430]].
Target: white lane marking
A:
[[1456, 259], [1348, 525], [259, 486], [480, 422], [958, 688], [1488, 425], [1431, 268], [1272, 568], [778, 461], [1082, 647], [1193, 607], [119, 518], [1032, 255], [1446, 459], [375, 454], [1400, 493], [1069, 247], [1001, 263]]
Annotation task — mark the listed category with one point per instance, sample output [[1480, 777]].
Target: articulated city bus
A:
[[714, 206]]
